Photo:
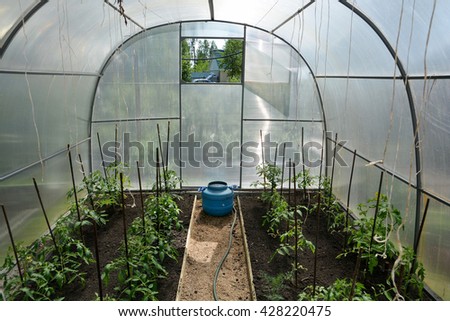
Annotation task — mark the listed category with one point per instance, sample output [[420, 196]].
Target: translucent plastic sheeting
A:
[[372, 116], [335, 41], [150, 13], [11, 12], [276, 136], [19, 196], [211, 29], [67, 36], [434, 249], [40, 115], [137, 141], [142, 79], [431, 101], [265, 14], [423, 44], [211, 130], [278, 83], [364, 187]]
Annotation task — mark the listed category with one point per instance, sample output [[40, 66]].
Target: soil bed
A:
[[261, 249]]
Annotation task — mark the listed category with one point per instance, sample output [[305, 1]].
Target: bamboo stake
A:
[[142, 197], [115, 151], [303, 164], [47, 221], [101, 155], [162, 156], [282, 167], [75, 194], [296, 231], [262, 156], [13, 244], [348, 198], [94, 225], [124, 224], [377, 206], [318, 217], [330, 197]]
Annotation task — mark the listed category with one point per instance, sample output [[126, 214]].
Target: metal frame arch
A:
[[404, 77]]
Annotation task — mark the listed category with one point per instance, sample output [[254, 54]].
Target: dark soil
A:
[[261, 248], [110, 238]]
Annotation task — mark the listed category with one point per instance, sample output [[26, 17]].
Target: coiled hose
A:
[[219, 267]]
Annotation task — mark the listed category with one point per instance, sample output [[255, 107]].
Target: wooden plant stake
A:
[[262, 156], [13, 244], [75, 194], [142, 197], [101, 155], [47, 222], [347, 209], [94, 225], [124, 224]]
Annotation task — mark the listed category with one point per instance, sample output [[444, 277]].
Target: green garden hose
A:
[[219, 267]]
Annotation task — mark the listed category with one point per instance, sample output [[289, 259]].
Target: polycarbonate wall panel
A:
[[67, 36], [432, 101], [142, 79], [211, 29], [137, 141], [278, 84], [263, 13], [422, 32], [374, 117], [152, 13], [19, 196], [276, 136], [211, 128], [434, 249], [335, 41], [11, 12], [40, 115], [364, 187]]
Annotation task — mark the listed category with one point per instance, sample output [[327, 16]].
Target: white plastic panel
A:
[[374, 117], [278, 83], [277, 135], [434, 249], [211, 29], [142, 79], [432, 100], [137, 141], [67, 36], [422, 31], [20, 199], [335, 41], [262, 13], [211, 117], [40, 115], [11, 12]]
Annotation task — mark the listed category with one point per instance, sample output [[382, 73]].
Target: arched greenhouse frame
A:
[[353, 91]]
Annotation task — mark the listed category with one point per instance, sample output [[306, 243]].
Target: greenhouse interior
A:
[[335, 109]]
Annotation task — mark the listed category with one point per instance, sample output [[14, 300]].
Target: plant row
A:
[[367, 238], [55, 262]]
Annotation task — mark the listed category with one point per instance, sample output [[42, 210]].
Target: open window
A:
[[211, 60]]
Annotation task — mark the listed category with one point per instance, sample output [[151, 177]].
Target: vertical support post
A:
[[377, 207], [347, 208], [13, 244], [141, 195], [94, 225], [75, 194], [318, 217], [101, 155], [47, 221], [262, 156], [303, 164], [124, 224], [282, 167]]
